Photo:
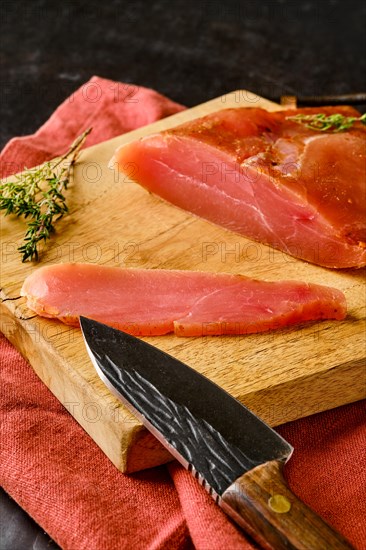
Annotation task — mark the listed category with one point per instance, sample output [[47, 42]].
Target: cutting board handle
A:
[[265, 507]]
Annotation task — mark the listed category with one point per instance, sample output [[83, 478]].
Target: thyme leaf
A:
[[38, 194], [324, 123]]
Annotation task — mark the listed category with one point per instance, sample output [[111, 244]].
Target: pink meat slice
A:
[[153, 302], [266, 177]]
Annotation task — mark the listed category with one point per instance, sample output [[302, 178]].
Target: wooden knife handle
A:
[[265, 507]]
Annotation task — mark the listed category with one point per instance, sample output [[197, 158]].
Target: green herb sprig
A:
[[324, 123], [37, 194]]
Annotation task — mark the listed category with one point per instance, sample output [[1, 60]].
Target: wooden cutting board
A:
[[281, 375]]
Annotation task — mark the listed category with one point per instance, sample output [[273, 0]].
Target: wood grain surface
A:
[[264, 506], [281, 376]]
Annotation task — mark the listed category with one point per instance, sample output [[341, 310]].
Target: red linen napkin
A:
[[52, 468]]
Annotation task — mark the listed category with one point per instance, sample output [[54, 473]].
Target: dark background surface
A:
[[189, 50]]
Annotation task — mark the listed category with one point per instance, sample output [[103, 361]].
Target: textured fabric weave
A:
[[52, 468]]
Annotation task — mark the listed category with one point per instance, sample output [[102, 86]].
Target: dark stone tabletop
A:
[[189, 50]]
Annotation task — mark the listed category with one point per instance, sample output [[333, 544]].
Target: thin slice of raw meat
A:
[[189, 303], [266, 177]]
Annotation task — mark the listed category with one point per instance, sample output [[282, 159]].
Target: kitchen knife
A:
[[321, 100], [229, 450]]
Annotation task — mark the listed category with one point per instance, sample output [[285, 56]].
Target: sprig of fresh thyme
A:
[[323, 123], [37, 194]]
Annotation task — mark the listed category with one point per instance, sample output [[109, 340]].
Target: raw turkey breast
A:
[[149, 302], [262, 175]]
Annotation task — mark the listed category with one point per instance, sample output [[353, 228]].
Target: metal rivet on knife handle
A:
[[279, 504], [246, 501]]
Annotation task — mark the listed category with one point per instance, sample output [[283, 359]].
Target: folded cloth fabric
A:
[[111, 108], [52, 468]]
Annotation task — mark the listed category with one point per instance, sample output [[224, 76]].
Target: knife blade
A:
[[228, 449]]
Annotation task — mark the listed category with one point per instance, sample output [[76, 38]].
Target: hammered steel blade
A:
[[203, 426]]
